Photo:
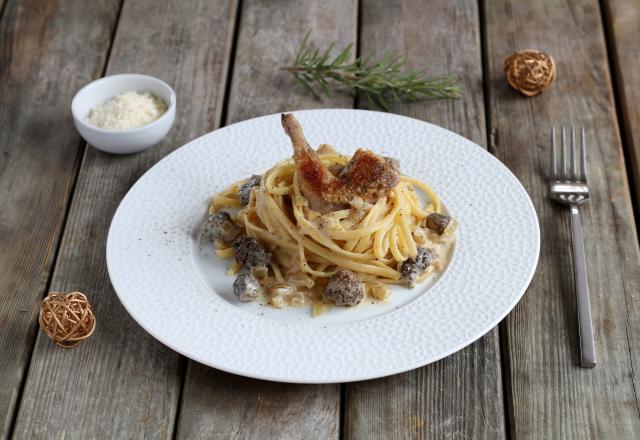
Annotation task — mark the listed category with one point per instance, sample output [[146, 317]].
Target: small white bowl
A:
[[131, 140]]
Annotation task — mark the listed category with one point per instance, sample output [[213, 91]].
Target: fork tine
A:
[[583, 158], [574, 159], [554, 165], [563, 154]]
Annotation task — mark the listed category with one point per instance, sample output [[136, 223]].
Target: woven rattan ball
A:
[[67, 318], [530, 71]]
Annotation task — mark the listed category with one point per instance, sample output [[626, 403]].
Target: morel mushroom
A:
[[412, 268], [249, 252], [438, 222], [246, 287], [344, 288], [220, 226], [244, 192]]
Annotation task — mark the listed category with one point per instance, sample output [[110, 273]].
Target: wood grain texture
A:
[[47, 51], [270, 33], [550, 396], [2, 3], [216, 404], [122, 383], [622, 20], [459, 397], [219, 405]]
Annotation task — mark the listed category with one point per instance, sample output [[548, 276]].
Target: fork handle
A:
[[587, 346]]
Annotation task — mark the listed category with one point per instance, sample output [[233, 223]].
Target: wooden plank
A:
[[47, 51], [268, 38], [550, 396], [460, 396], [621, 20], [222, 405], [270, 34], [122, 383]]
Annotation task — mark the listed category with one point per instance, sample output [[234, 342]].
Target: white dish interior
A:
[[213, 271]]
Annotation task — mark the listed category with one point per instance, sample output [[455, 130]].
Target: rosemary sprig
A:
[[376, 79]]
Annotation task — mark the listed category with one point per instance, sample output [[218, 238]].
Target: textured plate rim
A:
[[119, 289]]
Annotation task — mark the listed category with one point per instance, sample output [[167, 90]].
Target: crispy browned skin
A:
[[367, 175], [315, 178]]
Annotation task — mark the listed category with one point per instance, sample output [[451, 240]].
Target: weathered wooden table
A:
[[58, 196]]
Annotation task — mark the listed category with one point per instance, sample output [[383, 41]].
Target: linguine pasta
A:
[[307, 247]]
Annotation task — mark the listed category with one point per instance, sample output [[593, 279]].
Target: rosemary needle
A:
[[375, 79]]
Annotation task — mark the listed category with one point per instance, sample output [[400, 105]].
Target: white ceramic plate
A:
[[182, 296]]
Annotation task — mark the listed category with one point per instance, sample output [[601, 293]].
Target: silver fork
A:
[[569, 187]]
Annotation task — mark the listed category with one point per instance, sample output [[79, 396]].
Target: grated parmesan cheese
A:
[[127, 110]]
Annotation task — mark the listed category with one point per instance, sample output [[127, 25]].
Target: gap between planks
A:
[[623, 104]]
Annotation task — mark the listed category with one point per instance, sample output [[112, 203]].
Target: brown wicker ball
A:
[[67, 318], [530, 71]]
